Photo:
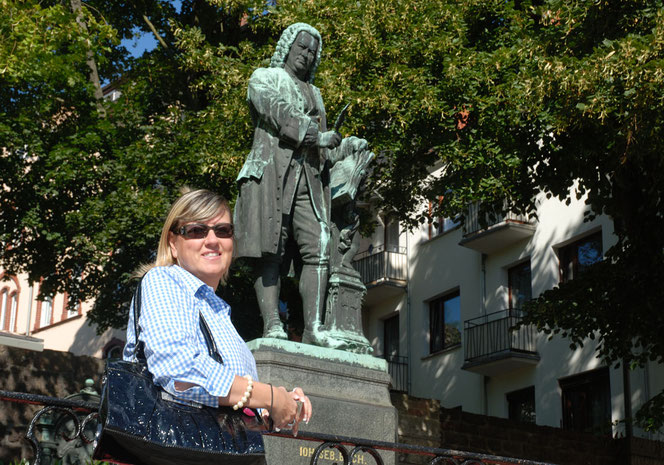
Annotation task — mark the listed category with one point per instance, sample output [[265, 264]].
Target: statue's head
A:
[[286, 42]]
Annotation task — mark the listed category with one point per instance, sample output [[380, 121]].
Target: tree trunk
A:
[[94, 75]]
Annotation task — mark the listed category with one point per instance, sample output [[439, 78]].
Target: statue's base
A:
[[343, 318], [349, 394]]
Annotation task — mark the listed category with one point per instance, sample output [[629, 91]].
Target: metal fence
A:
[[496, 332], [381, 264], [342, 444]]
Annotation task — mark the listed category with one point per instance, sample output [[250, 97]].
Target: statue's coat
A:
[[269, 176]]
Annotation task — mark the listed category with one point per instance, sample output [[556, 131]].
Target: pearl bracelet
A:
[[247, 393]]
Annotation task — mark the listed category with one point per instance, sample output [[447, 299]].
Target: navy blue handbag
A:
[[140, 424]]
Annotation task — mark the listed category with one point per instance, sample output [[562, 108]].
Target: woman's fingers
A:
[[304, 414], [304, 410]]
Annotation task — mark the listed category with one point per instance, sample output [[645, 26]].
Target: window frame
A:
[[517, 398], [440, 225], [444, 346], [568, 255], [596, 386], [389, 323], [510, 283], [4, 299], [12, 307], [41, 323]]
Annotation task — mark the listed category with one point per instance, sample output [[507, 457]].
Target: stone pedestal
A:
[[348, 391], [343, 317]]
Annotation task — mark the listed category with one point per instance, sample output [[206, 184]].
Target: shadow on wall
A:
[[435, 274], [87, 342]]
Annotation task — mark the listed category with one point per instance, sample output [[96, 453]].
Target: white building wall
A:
[[440, 265], [433, 274]]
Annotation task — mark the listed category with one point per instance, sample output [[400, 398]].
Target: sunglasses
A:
[[200, 231]]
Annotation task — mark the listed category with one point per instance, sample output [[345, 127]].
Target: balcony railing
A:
[[397, 366], [489, 233], [494, 343], [380, 265], [473, 225]]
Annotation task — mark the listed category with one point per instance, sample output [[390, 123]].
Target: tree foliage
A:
[[511, 98]]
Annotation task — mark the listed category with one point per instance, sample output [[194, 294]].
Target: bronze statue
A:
[[284, 185]]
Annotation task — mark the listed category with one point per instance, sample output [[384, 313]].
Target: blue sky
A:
[[145, 41], [140, 44]]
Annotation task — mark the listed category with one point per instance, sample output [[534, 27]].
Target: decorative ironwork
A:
[[71, 409], [439, 456], [68, 409]]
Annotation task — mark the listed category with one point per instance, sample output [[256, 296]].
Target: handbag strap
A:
[[139, 348]]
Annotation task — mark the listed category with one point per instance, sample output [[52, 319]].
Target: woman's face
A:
[[207, 258]]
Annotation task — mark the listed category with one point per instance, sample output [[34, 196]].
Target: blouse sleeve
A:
[[169, 326]]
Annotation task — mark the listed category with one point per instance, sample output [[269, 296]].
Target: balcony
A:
[[492, 345], [397, 367], [496, 233], [384, 272]]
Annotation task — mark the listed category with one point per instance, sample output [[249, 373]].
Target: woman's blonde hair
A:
[[193, 206]]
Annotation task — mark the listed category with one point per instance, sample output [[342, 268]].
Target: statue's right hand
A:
[[329, 139], [311, 137]]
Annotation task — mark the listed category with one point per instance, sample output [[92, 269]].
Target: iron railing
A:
[[474, 222], [340, 443], [397, 367], [380, 264], [498, 332]]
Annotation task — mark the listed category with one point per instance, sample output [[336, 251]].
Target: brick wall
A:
[[50, 373], [424, 422]]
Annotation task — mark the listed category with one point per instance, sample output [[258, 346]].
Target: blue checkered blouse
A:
[[175, 349]]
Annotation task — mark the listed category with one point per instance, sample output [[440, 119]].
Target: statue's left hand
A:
[[329, 139], [359, 144]]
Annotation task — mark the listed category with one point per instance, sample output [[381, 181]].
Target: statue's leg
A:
[[267, 287], [313, 239]]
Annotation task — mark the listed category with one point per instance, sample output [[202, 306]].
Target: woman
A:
[[194, 254]]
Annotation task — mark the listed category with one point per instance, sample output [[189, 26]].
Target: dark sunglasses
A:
[[199, 230]]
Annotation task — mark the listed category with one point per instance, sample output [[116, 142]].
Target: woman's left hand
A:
[[304, 412]]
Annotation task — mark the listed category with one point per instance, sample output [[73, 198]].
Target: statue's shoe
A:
[[318, 337], [276, 332]]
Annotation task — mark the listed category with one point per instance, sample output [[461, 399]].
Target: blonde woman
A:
[[193, 258]]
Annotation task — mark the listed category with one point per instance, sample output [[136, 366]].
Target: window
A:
[[46, 312], [445, 322], [391, 337], [3, 310], [521, 405], [587, 402], [73, 309], [519, 281], [392, 236], [13, 309], [440, 225], [578, 256]]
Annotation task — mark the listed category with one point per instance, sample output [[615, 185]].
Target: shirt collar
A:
[[190, 282], [197, 287]]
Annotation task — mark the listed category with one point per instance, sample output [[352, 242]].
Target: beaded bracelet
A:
[[247, 393]]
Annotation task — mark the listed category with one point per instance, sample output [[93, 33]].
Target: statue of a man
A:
[[284, 183]]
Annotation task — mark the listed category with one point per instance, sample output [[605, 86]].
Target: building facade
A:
[[441, 301], [31, 321]]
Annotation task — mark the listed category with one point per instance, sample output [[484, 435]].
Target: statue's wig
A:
[[286, 41]]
